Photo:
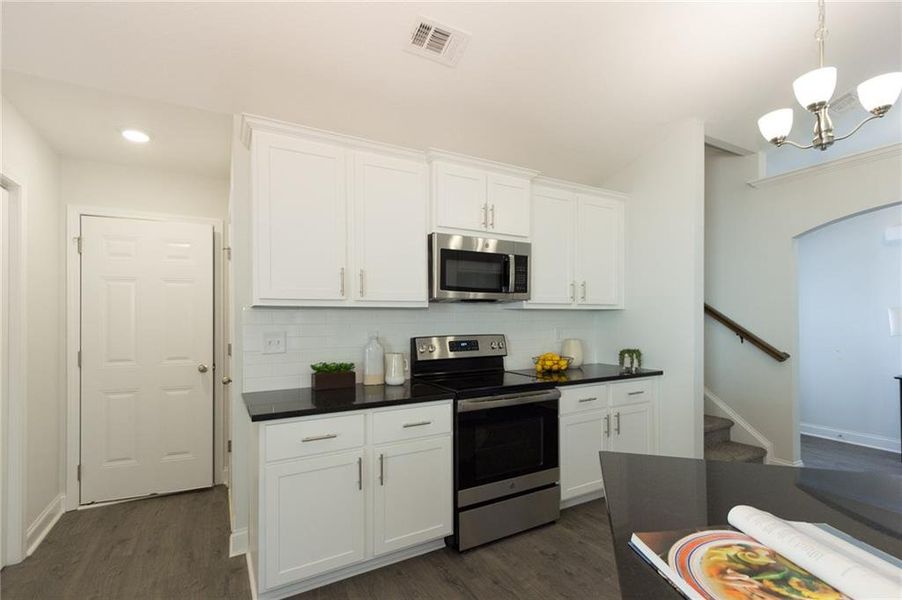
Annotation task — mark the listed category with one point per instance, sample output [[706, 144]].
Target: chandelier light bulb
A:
[[776, 124], [815, 88], [878, 94]]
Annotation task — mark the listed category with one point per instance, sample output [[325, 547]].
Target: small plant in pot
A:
[[333, 375], [630, 359]]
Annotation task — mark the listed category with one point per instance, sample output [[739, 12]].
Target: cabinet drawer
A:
[[582, 398], [409, 423], [627, 392], [304, 438]]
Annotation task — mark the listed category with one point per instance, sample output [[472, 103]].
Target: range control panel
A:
[[459, 346]]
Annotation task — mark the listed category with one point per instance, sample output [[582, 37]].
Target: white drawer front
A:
[[409, 423], [316, 436], [627, 392], [581, 398]]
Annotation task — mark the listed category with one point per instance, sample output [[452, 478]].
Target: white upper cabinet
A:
[[577, 247], [599, 251], [336, 222], [460, 197], [507, 202], [480, 197], [553, 230], [389, 229], [299, 209]]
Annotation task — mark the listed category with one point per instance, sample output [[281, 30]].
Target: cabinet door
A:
[[300, 219], [553, 230], [633, 428], [460, 197], [582, 438], [508, 205], [390, 202], [413, 493], [599, 255], [314, 517]]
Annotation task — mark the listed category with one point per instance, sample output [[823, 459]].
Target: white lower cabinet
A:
[[618, 416], [314, 516], [412, 496], [332, 503]]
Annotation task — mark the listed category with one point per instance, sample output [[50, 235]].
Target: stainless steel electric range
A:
[[506, 469]]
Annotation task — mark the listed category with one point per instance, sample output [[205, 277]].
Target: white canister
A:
[[395, 367], [574, 348]]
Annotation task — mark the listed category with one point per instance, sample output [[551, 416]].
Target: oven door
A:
[[506, 445], [470, 268]]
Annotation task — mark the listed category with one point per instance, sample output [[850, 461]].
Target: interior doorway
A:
[[146, 357], [850, 340]]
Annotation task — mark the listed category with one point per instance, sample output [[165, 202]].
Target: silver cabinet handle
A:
[[341, 282], [572, 291], [417, 424], [362, 284], [359, 473], [317, 438], [607, 426], [381, 469], [617, 422], [592, 399], [639, 393], [202, 368], [485, 215], [583, 286], [493, 217]]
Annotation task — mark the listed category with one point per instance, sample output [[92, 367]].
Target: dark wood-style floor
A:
[[827, 454], [176, 547]]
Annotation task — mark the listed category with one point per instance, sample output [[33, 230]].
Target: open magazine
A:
[[766, 558]]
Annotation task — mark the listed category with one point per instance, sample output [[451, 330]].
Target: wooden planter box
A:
[[332, 381]]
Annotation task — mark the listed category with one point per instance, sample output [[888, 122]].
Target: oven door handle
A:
[[501, 401]]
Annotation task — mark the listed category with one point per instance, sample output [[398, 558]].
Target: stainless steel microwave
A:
[[465, 268]]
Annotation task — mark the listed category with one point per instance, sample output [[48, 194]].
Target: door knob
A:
[[202, 368], [226, 380]]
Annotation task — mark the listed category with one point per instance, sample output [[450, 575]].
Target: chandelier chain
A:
[[820, 34]]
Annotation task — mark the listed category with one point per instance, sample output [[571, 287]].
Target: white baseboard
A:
[[238, 542], [785, 463], [570, 502], [38, 530], [857, 438], [251, 575]]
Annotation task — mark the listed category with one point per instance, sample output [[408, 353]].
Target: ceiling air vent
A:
[[844, 103], [437, 42]]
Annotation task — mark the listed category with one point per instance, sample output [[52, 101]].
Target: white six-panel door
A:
[[147, 357]]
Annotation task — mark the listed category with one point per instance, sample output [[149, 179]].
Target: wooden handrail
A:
[[744, 334]]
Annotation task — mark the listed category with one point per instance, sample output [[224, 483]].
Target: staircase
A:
[[718, 445]]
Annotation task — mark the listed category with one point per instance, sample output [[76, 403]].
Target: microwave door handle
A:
[[511, 272]]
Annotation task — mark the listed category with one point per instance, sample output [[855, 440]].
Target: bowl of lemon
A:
[[551, 363]]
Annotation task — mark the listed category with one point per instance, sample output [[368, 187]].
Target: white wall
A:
[[32, 163], [750, 273], [664, 278], [315, 335], [848, 277]]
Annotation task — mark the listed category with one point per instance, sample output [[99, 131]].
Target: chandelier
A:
[[814, 90]]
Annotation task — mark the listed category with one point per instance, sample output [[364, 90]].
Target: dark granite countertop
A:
[[590, 373], [300, 402]]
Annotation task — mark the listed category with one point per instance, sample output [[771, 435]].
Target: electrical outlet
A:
[[274, 342]]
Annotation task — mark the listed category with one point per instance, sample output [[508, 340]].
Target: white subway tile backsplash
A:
[[339, 334]]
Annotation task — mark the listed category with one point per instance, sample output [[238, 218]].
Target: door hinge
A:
[[78, 473], [229, 446], [228, 252], [229, 348], [79, 359], [78, 244]]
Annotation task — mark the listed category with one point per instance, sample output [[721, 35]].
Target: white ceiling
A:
[[571, 89]]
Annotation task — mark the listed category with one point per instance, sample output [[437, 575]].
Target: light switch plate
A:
[[274, 342]]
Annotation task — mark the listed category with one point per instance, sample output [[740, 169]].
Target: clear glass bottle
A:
[[373, 361]]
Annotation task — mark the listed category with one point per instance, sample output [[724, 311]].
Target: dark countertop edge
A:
[[326, 410], [621, 376]]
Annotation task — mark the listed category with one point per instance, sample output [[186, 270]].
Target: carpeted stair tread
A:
[[735, 452], [713, 423]]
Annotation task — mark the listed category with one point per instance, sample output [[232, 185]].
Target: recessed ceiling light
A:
[[135, 136]]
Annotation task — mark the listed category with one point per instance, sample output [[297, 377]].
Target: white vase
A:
[[574, 348]]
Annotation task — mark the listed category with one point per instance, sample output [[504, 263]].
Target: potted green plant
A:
[[333, 375], [630, 359]]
